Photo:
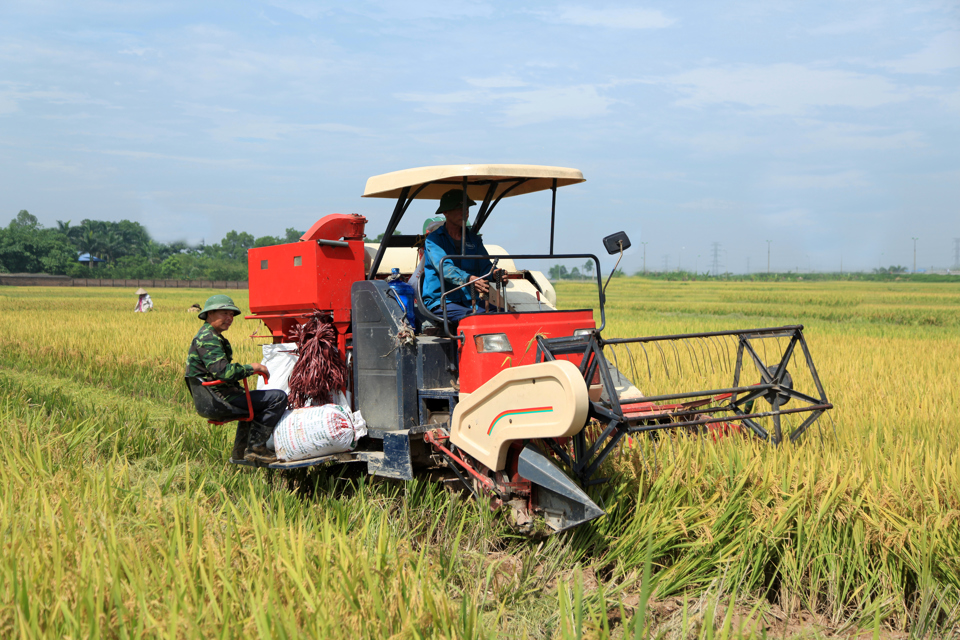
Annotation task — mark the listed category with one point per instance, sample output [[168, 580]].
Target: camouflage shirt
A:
[[210, 357]]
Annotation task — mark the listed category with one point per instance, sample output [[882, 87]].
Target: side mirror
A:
[[616, 243]]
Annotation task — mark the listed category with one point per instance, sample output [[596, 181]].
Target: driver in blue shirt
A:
[[446, 241]]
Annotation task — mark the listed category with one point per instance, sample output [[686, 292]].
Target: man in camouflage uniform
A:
[[211, 358]]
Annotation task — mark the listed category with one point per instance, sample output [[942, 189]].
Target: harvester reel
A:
[[785, 381], [722, 408]]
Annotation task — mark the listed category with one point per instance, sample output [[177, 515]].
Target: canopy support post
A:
[[553, 212], [402, 204], [485, 213], [463, 220]]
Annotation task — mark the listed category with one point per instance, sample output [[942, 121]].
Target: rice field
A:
[[122, 518]]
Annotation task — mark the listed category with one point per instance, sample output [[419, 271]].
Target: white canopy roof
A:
[[479, 176]]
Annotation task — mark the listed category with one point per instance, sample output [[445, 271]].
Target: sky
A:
[[828, 133]]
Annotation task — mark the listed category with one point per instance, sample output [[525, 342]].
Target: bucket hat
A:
[[217, 302], [453, 199]]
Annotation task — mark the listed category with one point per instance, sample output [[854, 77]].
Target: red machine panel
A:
[[304, 275], [288, 282], [521, 329]]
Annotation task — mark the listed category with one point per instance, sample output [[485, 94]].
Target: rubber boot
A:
[[240, 441], [257, 451]]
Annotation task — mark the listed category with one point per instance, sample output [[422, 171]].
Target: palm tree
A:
[[111, 245], [88, 242], [153, 252]]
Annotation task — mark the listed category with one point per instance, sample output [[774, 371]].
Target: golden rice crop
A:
[[121, 517]]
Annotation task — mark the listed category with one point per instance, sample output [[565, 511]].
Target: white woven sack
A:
[[312, 432], [279, 360]]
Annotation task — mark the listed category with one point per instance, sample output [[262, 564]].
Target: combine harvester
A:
[[526, 404]]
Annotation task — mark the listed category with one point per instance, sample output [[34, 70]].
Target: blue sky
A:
[[830, 128]]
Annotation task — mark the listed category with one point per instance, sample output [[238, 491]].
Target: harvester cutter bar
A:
[[759, 389], [817, 408]]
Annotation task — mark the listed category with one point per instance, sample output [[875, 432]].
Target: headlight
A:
[[583, 332], [492, 343]]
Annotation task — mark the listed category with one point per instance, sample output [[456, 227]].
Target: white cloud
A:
[[54, 165], [722, 142], [711, 204], [941, 53], [419, 10], [660, 175], [520, 107], [258, 128], [442, 104], [496, 82], [861, 23], [838, 135], [841, 180], [150, 155], [611, 17], [7, 104], [789, 219], [784, 88], [197, 109], [10, 99], [91, 8], [308, 10], [138, 51], [168, 223], [951, 101], [542, 105]]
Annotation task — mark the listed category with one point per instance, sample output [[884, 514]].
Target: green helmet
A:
[[217, 302], [453, 199], [430, 222]]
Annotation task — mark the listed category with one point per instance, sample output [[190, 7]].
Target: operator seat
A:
[[211, 406]]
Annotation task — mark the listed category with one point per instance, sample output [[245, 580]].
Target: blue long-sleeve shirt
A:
[[455, 272]]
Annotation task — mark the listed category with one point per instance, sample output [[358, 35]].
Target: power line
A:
[[956, 253]]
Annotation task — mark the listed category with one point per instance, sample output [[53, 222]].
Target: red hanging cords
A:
[[319, 370]]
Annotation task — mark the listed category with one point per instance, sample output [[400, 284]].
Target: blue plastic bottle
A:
[[404, 294]]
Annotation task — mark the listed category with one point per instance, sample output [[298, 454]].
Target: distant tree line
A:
[[883, 274], [560, 272], [127, 251]]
